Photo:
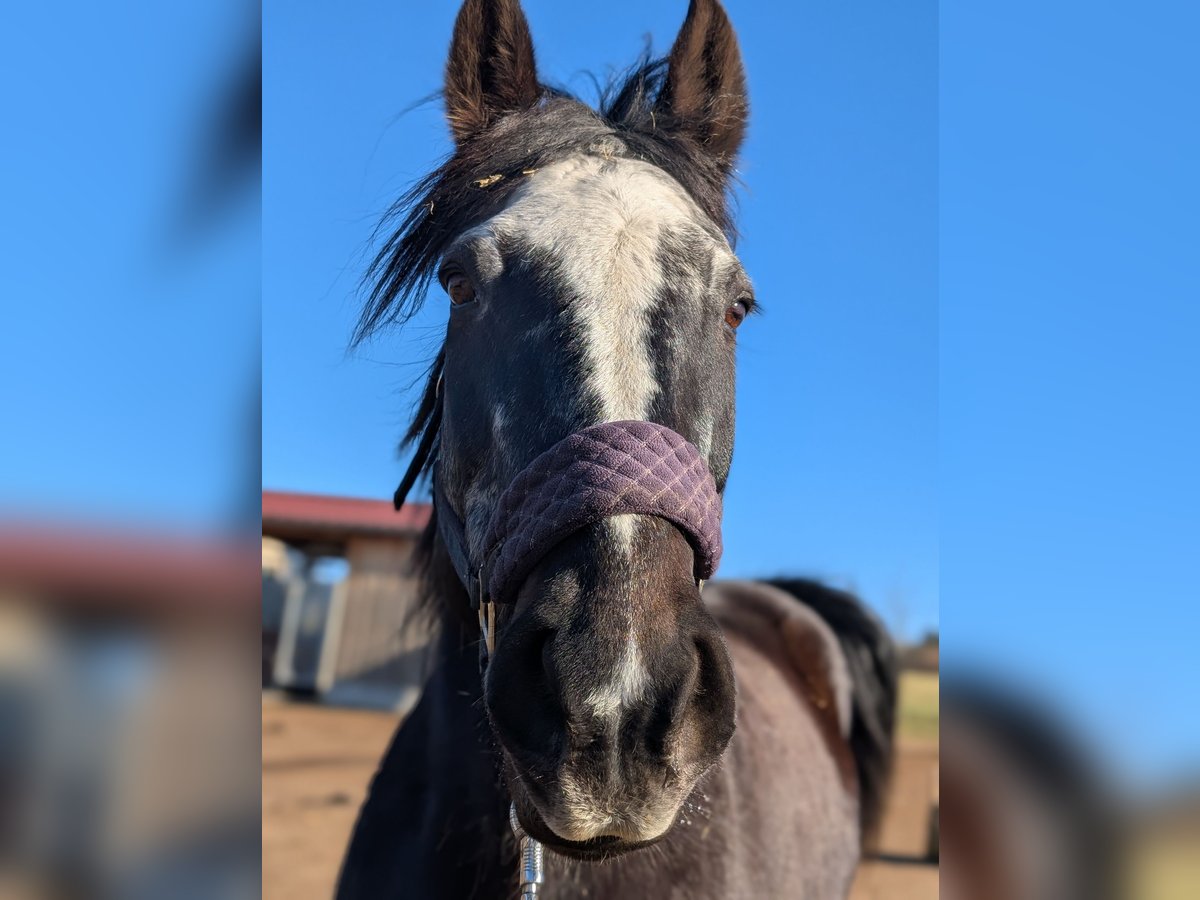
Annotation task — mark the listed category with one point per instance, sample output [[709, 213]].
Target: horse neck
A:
[[455, 682], [455, 721], [458, 745]]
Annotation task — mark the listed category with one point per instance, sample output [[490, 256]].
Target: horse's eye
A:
[[736, 314], [460, 289]]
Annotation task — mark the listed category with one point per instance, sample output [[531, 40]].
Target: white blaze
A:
[[600, 222]]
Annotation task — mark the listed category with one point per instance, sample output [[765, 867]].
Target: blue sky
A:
[[1069, 289], [835, 466], [128, 352]]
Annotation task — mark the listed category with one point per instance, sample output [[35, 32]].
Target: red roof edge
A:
[[352, 514]]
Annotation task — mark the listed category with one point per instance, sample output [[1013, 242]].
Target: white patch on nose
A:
[[626, 687], [621, 530]]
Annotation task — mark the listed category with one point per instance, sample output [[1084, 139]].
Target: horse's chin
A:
[[598, 849], [594, 850]]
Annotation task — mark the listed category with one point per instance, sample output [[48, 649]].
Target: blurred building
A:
[[341, 618]]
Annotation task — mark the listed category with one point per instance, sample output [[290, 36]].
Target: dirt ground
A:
[[902, 872], [317, 762]]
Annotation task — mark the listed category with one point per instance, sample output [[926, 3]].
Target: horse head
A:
[[587, 262]]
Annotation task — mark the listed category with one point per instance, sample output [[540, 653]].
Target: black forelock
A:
[[464, 190]]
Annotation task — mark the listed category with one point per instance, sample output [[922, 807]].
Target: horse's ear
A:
[[705, 87], [491, 69]]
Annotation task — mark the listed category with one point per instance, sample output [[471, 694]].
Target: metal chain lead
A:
[[532, 872]]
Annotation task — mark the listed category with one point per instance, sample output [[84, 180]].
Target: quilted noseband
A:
[[606, 470]]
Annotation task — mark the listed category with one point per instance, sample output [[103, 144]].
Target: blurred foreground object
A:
[[129, 372], [1031, 815], [1025, 815], [128, 760]]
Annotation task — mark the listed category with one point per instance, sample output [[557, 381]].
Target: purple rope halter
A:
[[606, 470]]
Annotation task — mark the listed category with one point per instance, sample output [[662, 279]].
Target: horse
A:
[[1011, 769], [651, 732]]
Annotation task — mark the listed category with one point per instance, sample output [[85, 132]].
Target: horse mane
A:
[[476, 182]]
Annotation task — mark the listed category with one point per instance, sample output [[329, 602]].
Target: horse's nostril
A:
[[711, 696], [707, 672], [523, 697], [700, 667]]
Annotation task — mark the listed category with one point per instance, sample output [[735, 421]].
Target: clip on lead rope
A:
[[532, 874]]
